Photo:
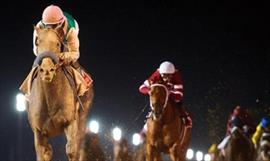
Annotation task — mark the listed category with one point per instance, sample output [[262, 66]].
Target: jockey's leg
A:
[[183, 114], [82, 71], [143, 132], [223, 142]]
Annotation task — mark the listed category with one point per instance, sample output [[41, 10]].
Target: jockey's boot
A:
[[185, 117], [143, 132]]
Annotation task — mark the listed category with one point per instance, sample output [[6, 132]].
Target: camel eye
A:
[[52, 70], [41, 70]]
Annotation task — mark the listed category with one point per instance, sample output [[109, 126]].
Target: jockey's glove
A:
[[65, 58]]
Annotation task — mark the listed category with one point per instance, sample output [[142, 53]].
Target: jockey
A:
[[264, 126], [239, 118], [68, 29], [53, 17], [173, 80], [242, 119]]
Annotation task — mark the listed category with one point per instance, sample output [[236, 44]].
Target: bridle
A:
[[167, 95]]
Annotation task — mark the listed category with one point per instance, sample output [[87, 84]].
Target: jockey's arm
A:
[[145, 87], [73, 44], [176, 92]]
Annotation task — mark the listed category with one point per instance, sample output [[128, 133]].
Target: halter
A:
[[167, 94]]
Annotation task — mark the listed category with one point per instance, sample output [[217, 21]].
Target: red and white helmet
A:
[[166, 68], [238, 110], [52, 15]]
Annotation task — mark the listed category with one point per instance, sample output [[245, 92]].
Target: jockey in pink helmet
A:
[[53, 15], [173, 81], [68, 29]]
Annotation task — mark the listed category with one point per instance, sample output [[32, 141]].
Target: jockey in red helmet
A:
[[239, 118]]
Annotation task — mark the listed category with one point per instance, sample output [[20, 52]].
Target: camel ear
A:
[[36, 28]]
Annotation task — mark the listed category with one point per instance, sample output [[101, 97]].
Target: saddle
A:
[[88, 80]]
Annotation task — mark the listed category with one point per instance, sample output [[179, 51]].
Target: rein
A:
[[167, 95], [165, 103], [72, 84]]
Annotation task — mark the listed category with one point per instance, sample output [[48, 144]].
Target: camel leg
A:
[[87, 101], [174, 152], [72, 146], [149, 153], [44, 150], [82, 128], [152, 154]]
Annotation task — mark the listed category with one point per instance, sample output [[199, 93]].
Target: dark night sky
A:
[[222, 50]]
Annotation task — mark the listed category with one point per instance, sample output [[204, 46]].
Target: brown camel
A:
[[166, 133]]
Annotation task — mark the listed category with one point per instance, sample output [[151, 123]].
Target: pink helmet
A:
[[52, 15]]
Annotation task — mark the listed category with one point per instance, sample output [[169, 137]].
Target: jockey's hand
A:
[[63, 58], [169, 86]]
